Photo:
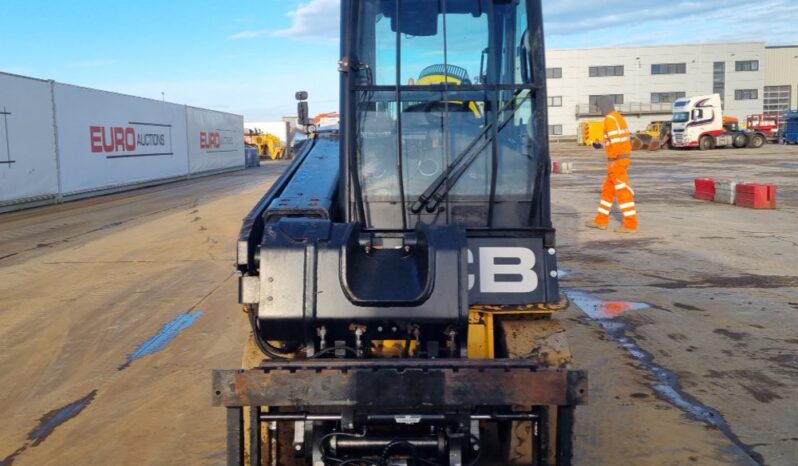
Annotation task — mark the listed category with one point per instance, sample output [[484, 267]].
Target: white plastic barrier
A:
[[108, 140], [28, 167], [215, 140]]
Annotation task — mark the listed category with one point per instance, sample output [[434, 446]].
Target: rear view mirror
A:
[[302, 109], [302, 113]]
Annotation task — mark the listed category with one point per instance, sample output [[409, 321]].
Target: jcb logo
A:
[[504, 270]]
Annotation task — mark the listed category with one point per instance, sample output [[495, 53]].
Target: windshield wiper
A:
[[433, 195]]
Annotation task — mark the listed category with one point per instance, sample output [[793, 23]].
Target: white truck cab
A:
[[695, 117], [699, 122]]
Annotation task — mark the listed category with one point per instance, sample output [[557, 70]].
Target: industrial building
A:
[[781, 79], [645, 81]]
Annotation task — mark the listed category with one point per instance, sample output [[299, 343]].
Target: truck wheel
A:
[[543, 340], [757, 141], [706, 143], [739, 141]]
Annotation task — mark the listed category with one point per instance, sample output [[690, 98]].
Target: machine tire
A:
[[706, 143], [757, 141], [543, 340], [655, 145], [739, 141]]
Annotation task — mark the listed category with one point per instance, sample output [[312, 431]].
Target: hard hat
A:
[[605, 104]]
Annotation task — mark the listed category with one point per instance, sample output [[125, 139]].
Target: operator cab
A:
[[441, 124]]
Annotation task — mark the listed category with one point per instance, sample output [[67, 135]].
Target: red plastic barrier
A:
[[556, 167], [756, 195], [705, 188]]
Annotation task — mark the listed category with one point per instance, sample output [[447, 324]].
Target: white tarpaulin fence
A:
[[107, 140], [58, 140], [28, 167], [215, 140]]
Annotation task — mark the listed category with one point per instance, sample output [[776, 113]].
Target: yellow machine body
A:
[[590, 132], [268, 145]]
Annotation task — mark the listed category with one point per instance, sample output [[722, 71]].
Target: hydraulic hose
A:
[[281, 354], [265, 347]]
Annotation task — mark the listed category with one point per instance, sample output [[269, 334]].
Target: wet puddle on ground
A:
[[161, 340], [55, 418], [597, 308], [48, 423], [667, 386]]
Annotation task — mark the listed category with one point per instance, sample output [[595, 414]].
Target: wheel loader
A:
[[400, 278], [653, 138]]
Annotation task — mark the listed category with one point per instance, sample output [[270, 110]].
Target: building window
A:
[[603, 71], [555, 130], [555, 101], [746, 65], [746, 94], [617, 98], [554, 73], [719, 79], [669, 68], [666, 97], [777, 100]]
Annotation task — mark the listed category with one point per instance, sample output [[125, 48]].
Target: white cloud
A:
[[627, 22], [597, 23], [316, 19], [250, 34]]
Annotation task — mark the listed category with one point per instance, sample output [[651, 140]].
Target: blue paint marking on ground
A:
[[48, 423], [161, 340], [668, 385], [55, 418]]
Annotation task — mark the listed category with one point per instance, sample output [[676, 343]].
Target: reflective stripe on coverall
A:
[[617, 143]]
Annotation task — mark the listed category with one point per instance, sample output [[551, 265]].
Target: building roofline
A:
[[781, 46], [696, 44]]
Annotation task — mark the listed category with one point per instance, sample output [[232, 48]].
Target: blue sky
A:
[[249, 56]]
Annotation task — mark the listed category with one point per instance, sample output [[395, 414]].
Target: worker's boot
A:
[[594, 224], [624, 229]]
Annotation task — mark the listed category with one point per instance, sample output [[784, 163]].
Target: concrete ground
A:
[[707, 372], [114, 310]]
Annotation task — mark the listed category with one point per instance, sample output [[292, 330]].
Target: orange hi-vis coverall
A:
[[618, 145]]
